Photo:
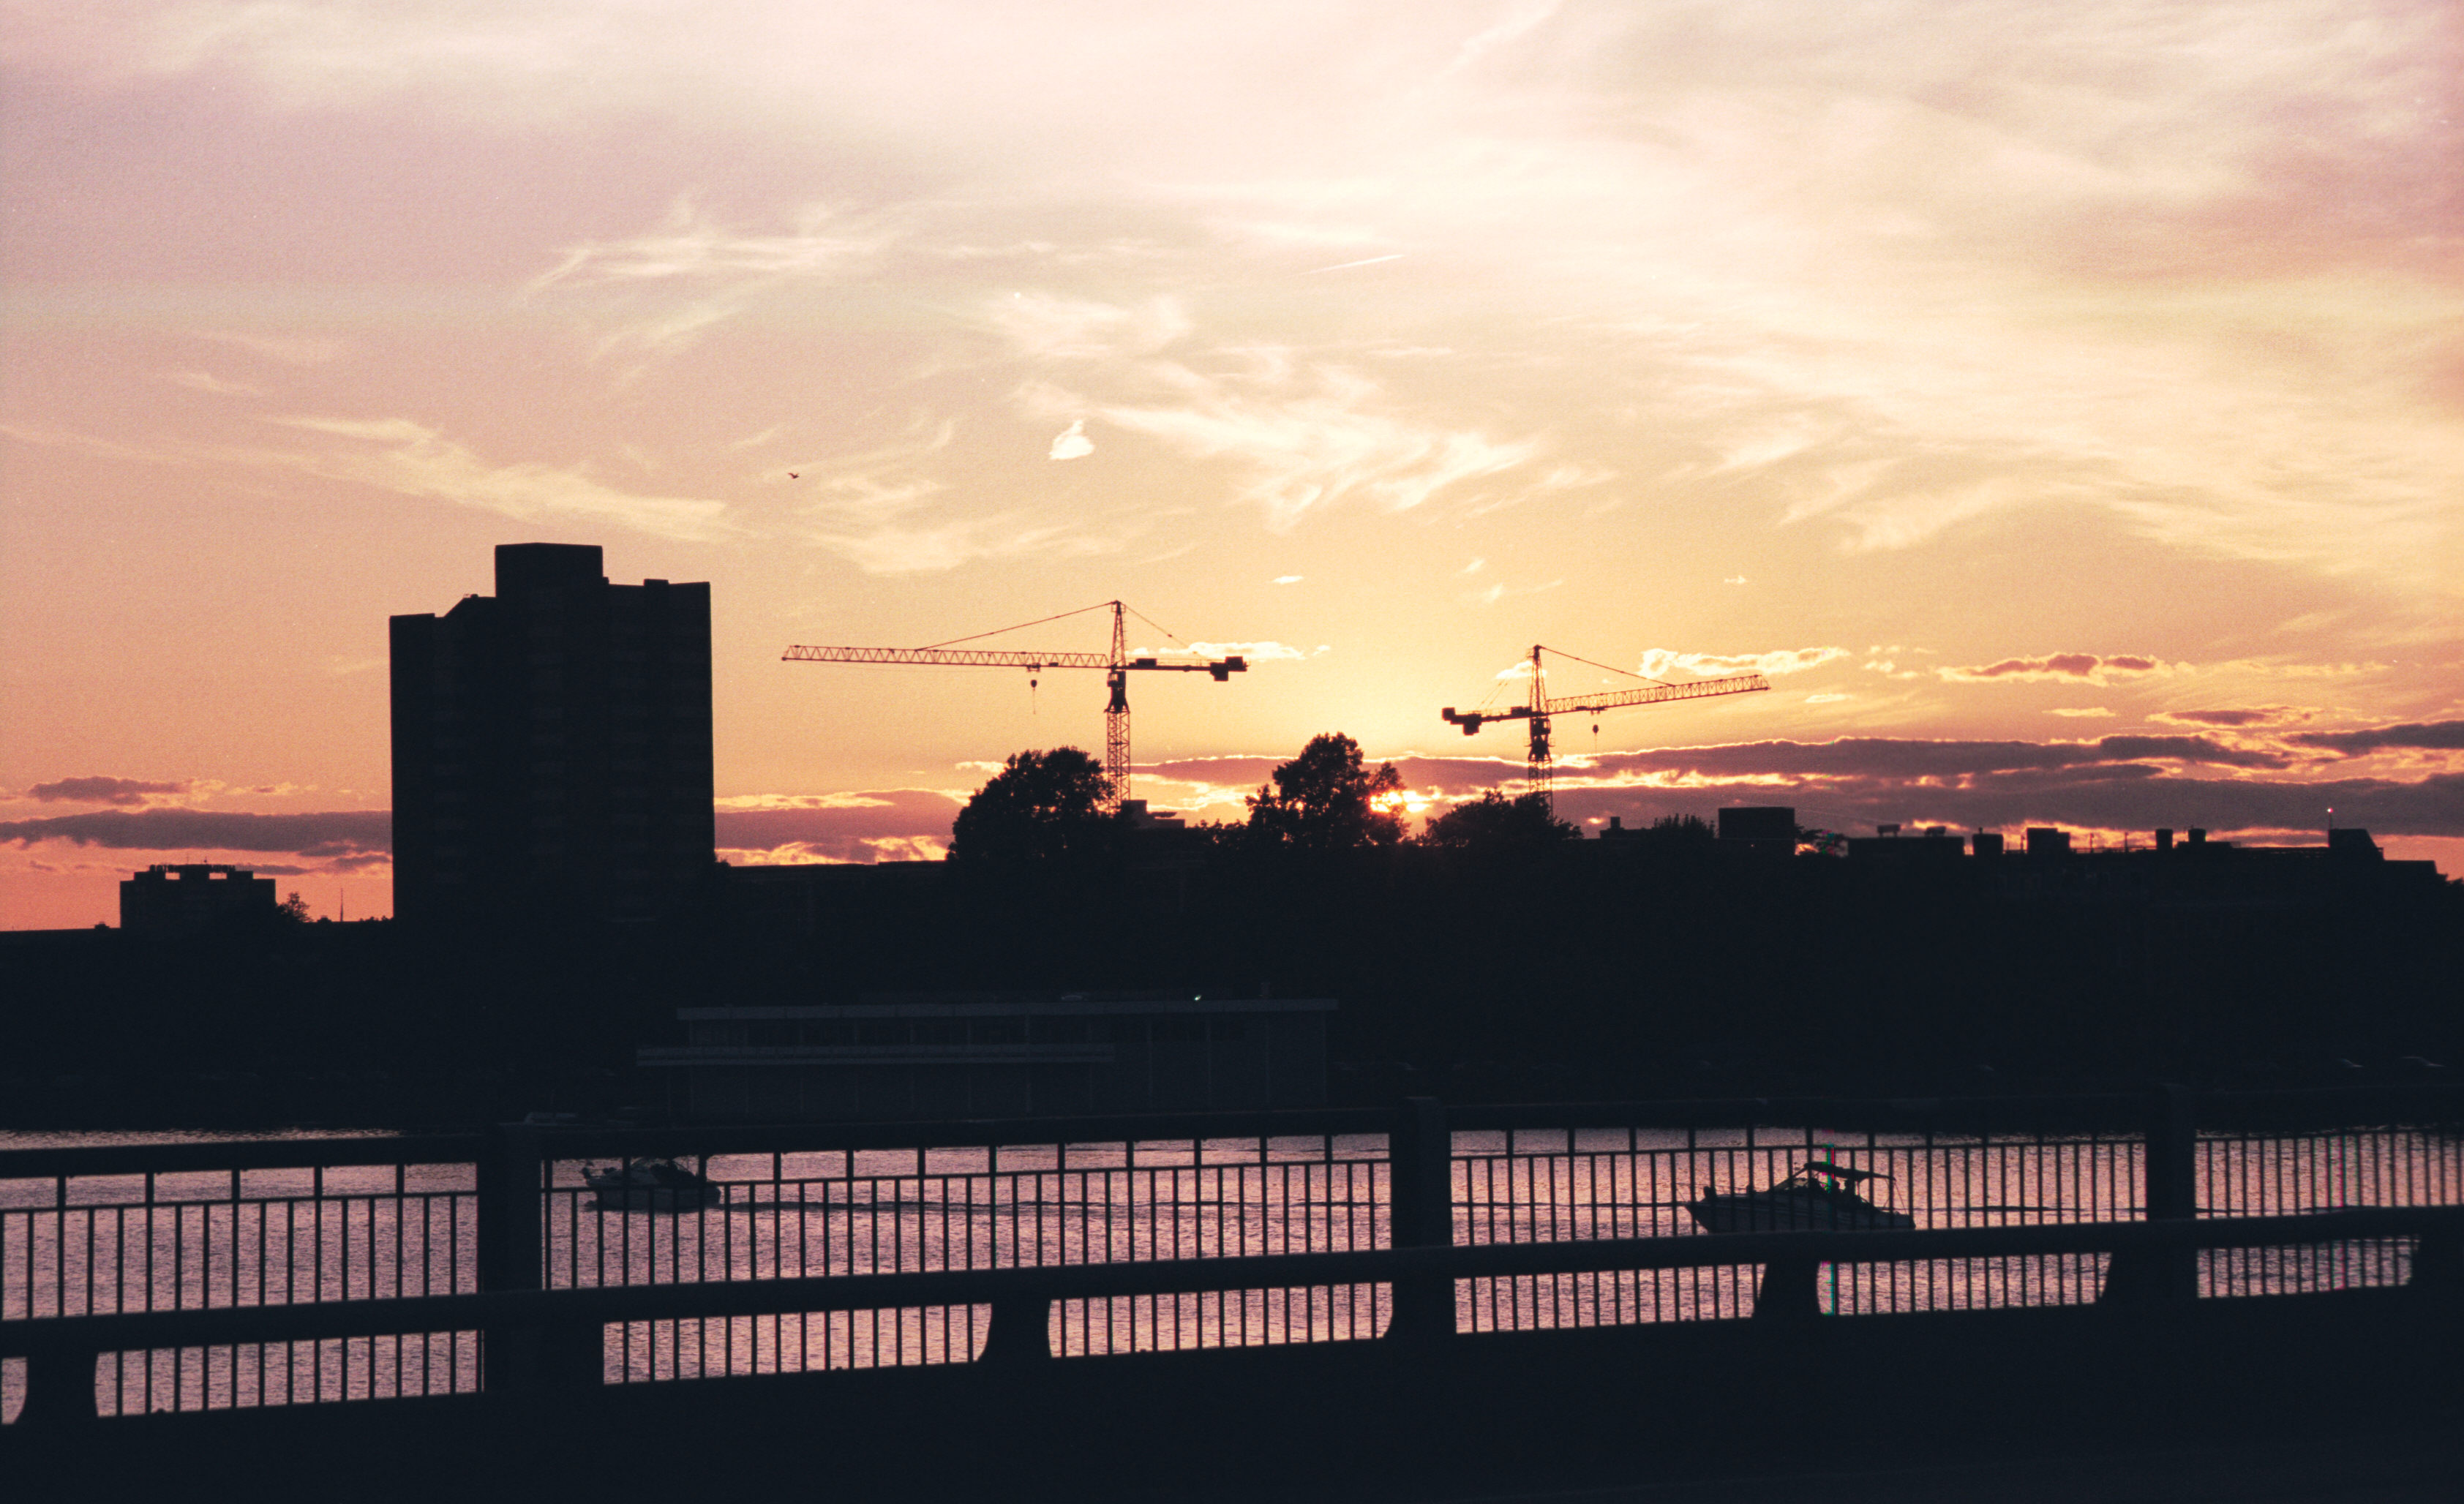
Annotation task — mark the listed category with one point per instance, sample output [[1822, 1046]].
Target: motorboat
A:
[[652, 1185], [1820, 1196]]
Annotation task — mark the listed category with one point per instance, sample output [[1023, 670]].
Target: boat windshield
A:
[[1842, 1172], [1827, 1180]]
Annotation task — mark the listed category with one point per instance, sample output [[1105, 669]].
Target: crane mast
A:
[[1118, 665], [1540, 762]]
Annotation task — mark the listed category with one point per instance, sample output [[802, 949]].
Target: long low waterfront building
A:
[[995, 1055]]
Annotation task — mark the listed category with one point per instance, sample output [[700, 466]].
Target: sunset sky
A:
[[2060, 401]]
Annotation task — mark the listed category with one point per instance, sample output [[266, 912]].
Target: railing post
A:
[[1021, 1332], [513, 1358], [1791, 1291], [1420, 1213], [2439, 1266], [60, 1383], [2169, 1192], [510, 1208]]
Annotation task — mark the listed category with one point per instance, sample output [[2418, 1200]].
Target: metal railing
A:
[[108, 1232], [922, 1198], [2244, 1173], [1622, 1170], [367, 1234], [549, 1339], [1545, 1184]]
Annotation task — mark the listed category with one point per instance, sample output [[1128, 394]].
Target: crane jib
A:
[[949, 658], [1739, 683], [1118, 665], [1471, 721]]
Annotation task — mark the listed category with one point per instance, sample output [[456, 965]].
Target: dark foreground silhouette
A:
[[1497, 970]]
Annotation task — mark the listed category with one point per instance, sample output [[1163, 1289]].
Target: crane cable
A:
[[1497, 686], [1101, 605], [1158, 627], [1019, 628], [1630, 674]]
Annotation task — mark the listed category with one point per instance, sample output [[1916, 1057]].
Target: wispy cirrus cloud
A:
[[299, 350], [410, 459], [1301, 432], [1495, 591], [208, 383], [1311, 439], [662, 289], [1660, 662], [888, 511], [1050, 327], [895, 548], [2057, 667]]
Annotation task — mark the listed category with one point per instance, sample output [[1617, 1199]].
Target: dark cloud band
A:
[[340, 833], [2427, 736], [102, 791]]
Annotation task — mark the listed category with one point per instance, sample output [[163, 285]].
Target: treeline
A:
[[1053, 806], [1499, 954]]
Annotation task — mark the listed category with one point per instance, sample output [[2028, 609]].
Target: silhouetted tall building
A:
[[552, 745]]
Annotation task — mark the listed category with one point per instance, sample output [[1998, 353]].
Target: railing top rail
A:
[[2334, 1106], [1076, 1281], [585, 1143], [139, 1159], [2297, 1109], [2114, 1109], [2078, 1111]]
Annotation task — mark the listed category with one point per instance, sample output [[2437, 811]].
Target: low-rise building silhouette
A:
[[193, 899], [552, 745]]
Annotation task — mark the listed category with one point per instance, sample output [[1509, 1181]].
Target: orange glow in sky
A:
[[2059, 403]]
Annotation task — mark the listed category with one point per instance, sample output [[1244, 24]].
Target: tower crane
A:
[[1118, 665], [1542, 763]]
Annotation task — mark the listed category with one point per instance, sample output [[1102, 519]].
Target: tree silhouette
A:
[[1494, 822], [1042, 806], [1326, 801]]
